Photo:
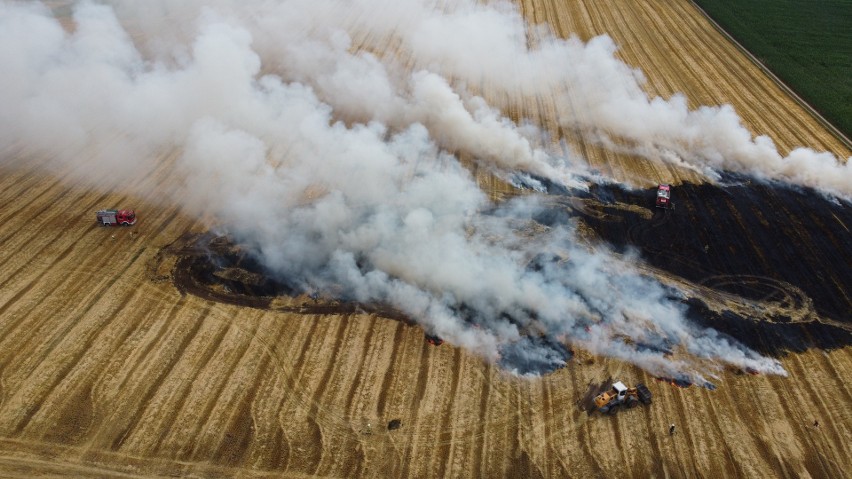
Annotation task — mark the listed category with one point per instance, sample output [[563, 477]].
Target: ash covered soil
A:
[[784, 251], [214, 268]]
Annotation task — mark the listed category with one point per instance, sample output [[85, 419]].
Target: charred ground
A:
[[761, 241], [215, 268], [764, 243]]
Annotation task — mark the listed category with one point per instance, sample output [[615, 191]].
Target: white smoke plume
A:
[[335, 164]]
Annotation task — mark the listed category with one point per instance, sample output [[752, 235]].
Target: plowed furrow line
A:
[[187, 381], [497, 428], [233, 403], [418, 439], [353, 394], [210, 380], [457, 422], [318, 406], [27, 400], [591, 21], [91, 346], [50, 300], [149, 380], [37, 234], [358, 358], [403, 391], [39, 313], [829, 407], [364, 399], [747, 412], [125, 357], [685, 75], [234, 447], [836, 373], [705, 455], [20, 325], [555, 14], [160, 411], [296, 378], [442, 454], [435, 402], [269, 449], [800, 425], [681, 445], [547, 414], [127, 377], [643, 49], [656, 422], [391, 375], [18, 201], [239, 393], [34, 241], [728, 431], [59, 207], [479, 446], [515, 448], [317, 402]]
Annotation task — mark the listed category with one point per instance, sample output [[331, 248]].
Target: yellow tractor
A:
[[609, 402]]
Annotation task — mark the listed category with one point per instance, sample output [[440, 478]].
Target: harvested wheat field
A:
[[198, 342]]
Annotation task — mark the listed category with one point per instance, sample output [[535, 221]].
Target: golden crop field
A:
[[108, 368]]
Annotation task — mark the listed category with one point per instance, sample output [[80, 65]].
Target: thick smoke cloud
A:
[[334, 164]]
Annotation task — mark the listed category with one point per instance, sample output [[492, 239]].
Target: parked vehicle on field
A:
[[116, 217], [609, 402], [664, 197]]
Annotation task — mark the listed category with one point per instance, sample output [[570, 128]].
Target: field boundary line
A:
[[772, 76]]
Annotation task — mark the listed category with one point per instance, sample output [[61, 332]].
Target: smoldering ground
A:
[[334, 164], [782, 252]]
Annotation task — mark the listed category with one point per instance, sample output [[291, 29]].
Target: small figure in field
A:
[[671, 430], [816, 423]]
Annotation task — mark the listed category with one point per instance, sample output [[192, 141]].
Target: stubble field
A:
[[107, 369]]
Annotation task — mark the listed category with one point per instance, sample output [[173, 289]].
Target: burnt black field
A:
[[215, 268], [747, 238]]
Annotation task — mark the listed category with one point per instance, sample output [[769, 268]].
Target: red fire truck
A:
[[664, 197], [116, 217]]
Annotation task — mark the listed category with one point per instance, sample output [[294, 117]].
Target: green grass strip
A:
[[806, 43]]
